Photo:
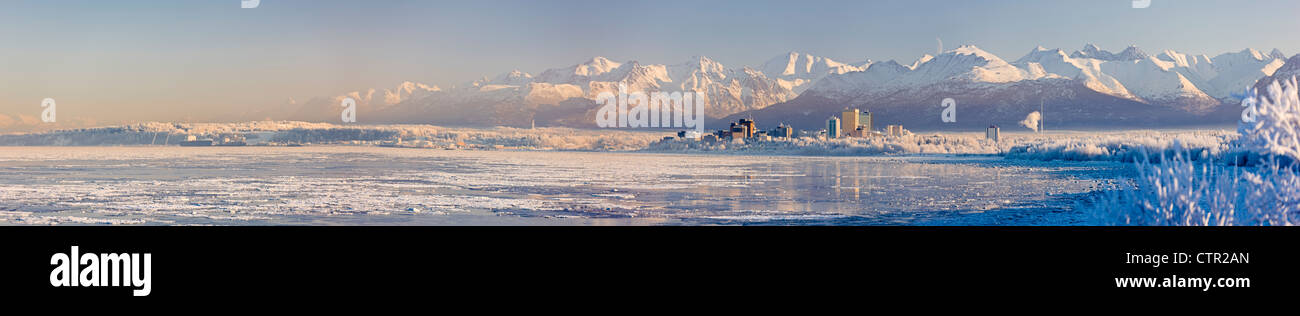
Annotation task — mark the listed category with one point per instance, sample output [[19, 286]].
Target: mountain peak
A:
[[1039, 52], [412, 86], [924, 59], [1276, 53], [598, 65], [514, 77], [1255, 54], [701, 59], [704, 64], [971, 50], [1132, 53], [1091, 48], [1094, 52], [968, 49]]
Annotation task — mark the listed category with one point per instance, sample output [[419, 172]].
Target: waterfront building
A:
[[783, 130], [894, 130], [833, 128], [993, 132], [849, 121]]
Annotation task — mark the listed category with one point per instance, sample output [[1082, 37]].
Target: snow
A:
[[1257, 183], [1196, 84], [1055, 63], [337, 184], [1156, 82], [964, 63], [795, 70], [288, 132], [1193, 83], [580, 72], [1122, 146], [330, 185], [1053, 146], [1275, 134]]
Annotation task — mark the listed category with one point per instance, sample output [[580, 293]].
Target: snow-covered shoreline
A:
[[1052, 145]]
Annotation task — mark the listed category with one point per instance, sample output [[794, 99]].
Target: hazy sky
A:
[[115, 61]]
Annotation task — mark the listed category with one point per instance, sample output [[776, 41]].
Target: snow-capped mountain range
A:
[[1088, 87]]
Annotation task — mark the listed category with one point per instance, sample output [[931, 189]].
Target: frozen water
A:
[[355, 185]]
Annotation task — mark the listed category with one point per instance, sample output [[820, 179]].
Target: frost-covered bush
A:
[[1126, 146], [1179, 191], [1275, 133]]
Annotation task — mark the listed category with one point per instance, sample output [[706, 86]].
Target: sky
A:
[[201, 61]]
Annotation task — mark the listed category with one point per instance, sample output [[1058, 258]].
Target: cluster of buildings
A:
[[850, 123], [858, 123], [742, 129], [226, 139]]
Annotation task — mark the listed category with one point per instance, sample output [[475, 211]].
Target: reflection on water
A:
[[387, 186]]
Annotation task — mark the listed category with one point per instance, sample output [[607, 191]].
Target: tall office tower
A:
[[833, 128], [850, 120], [866, 121]]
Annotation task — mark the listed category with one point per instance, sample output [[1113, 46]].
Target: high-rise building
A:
[[865, 121], [750, 129], [850, 120], [737, 131], [894, 130], [833, 127], [993, 132], [783, 130]]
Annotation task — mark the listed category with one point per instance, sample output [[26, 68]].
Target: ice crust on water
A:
[[347, 184]]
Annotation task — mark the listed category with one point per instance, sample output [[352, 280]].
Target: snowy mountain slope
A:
[[1069, 104], [852, 84], [1056, 63], [518, 98], [1182, 86], [1225, 74], [966, 63], [1238, 70], [1101, 88], [327, 109], [1094, 52], [1154, 81], [579, 73], [1288, 70], [795, 71], [1277, 54]]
